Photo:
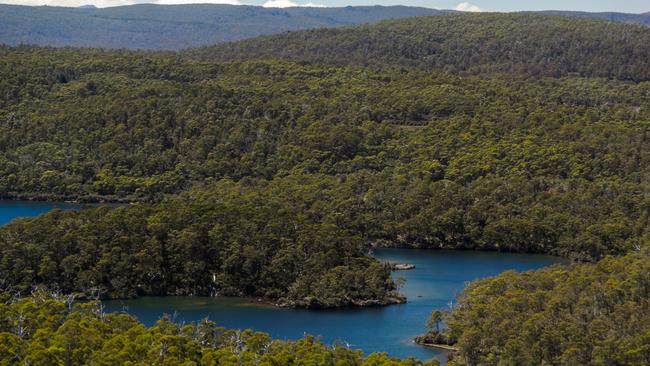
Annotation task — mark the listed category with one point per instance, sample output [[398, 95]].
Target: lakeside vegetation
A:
[[224, 241], [48, 330], [589, 314]]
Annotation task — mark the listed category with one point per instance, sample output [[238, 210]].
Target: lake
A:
[[438, 277], [10, 210]]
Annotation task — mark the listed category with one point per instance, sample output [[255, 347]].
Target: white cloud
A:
[[467, 7], [171, 2], [109, 3], [289, 4]]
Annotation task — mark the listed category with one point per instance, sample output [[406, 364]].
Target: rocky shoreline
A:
[[438, 346], [436, 339], [402, 266]]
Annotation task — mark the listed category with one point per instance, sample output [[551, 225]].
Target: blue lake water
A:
[[438, 277], [10, 210]]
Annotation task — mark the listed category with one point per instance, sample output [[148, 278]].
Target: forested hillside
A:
[[527, 44], [170, 27], [549, 165], [583, 315], [149, 26], [643, 18]]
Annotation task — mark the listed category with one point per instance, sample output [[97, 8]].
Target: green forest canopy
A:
[[590, 314], [426, 159], [48, 330], [474, 44]]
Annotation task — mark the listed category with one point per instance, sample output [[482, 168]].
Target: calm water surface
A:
[[10, 210], [438, 277]]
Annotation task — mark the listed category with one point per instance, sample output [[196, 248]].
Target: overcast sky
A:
[[628, 6]]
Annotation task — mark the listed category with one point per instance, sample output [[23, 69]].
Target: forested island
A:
[[270, 168]]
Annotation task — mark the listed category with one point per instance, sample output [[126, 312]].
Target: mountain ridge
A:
[[462, 43], [169, 27], [173, 27], [630, 18]]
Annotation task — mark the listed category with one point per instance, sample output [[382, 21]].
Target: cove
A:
[[439, 276], [10, 210]]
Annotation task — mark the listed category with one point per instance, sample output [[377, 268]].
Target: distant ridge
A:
[[149, 26], [171, 27], [463, 43], [610, 16]]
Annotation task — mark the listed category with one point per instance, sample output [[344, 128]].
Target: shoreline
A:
[[73, 199], [279, 303], [438, 346]]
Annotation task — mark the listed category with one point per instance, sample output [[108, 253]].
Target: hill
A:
[[169, 27], [529, 44], [596, 314], [554, 165], [609, 16], [174, 26]]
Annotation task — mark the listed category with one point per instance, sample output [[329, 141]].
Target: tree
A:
[[434, 321]]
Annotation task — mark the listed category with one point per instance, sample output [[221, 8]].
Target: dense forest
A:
[[590, 314], [528, 44], [223, 241], [270, 167], [170, 27], [408, 157], [48, 330]]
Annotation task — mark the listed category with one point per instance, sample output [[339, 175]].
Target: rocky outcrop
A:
[[437, 340], [402, 266]]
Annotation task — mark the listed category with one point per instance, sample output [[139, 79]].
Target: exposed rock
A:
[[402, 266], [437, 340]]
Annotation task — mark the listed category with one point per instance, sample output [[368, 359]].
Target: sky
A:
[[626, 6]]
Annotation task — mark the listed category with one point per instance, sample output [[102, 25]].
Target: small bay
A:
[[439, 276]]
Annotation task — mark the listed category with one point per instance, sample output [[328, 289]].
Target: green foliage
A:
[[521, 43], [224, 241], [589, 314], [48, 330], [434, 321], [388, 156]]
